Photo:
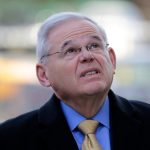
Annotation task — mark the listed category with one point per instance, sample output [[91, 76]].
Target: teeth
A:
[[91, 73]]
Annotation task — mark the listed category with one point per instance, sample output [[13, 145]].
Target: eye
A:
[[71, 50], [93, 46]]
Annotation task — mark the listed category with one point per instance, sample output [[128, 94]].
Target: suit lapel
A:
[[125, 128], [55, 133]]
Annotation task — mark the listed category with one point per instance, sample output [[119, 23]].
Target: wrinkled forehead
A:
[[73, 29]]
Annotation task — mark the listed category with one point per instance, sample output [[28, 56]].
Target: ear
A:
[[41, 75], [112, 56]]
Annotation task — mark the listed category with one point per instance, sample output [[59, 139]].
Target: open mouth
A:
[[90, 73]]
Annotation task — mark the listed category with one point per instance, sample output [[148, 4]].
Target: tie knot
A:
[[88, 126]]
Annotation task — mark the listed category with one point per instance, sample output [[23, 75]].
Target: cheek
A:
[[62, 71], [105, 64]]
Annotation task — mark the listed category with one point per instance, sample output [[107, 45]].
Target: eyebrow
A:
[[70, 41], [65, 44], [96, 37]]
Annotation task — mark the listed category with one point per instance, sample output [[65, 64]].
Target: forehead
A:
[[74, 29]]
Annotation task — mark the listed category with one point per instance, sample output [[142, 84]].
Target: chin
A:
[[92, 90]]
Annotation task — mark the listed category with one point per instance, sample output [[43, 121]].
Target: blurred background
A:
[[126, 23]]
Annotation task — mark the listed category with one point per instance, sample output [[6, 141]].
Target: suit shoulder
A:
[[18, 124], [141, 110], [141, 107], [132, 108]]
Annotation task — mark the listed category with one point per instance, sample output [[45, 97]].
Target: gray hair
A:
[[51, 22]]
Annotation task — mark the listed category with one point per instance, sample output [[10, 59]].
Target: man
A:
[[75, 60]]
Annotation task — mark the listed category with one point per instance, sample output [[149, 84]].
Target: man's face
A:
[[86, 73]]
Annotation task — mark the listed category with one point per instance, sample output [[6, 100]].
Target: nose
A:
[[86, 56]]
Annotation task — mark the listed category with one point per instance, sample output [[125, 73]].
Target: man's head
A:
[[73, 57], [43, 45]]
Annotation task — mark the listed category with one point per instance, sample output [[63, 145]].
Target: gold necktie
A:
[[88, 127]]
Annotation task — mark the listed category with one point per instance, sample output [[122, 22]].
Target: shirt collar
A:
[[74, 118]]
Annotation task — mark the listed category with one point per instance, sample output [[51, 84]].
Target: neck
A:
[[87, 106]]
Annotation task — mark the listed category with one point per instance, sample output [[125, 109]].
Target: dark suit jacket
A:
[[47, 129]]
